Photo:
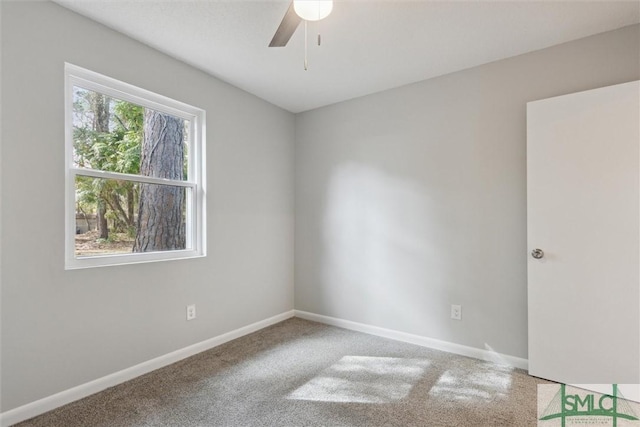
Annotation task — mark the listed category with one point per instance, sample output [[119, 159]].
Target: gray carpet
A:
[[301, 373]]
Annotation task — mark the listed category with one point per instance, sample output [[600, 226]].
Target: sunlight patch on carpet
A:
[[483, 382], [363, 379]]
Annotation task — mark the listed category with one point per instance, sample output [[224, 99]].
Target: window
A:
[[134, 174]]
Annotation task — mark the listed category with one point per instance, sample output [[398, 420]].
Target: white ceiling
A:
[[368, 46]]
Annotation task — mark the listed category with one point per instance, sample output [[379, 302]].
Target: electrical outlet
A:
[[456, 312], [191, 312]]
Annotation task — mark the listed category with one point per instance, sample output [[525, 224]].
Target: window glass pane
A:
[[118, 136], [117, 217]]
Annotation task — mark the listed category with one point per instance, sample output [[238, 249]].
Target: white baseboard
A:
[[46, 404], [450, 347]]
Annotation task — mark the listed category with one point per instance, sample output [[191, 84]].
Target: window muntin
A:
[[114, 134]]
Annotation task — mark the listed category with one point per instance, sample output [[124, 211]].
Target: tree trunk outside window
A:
[[160, 224], [101, 126]]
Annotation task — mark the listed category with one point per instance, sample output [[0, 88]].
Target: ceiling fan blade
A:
[[286, 29]]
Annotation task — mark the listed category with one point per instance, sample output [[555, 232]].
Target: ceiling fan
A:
[[300, 10]]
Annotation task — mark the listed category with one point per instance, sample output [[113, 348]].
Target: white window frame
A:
[[195, 214]]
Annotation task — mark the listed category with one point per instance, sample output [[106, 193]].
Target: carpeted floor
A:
[[301, 373]]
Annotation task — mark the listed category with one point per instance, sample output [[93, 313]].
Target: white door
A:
[[583, 207]]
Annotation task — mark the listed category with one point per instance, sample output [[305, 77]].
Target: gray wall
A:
[[413, 199], [64, 328]]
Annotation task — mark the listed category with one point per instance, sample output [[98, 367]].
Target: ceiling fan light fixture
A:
[[313, 10]]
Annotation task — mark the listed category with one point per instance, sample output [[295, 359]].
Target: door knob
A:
[[537, 253]]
